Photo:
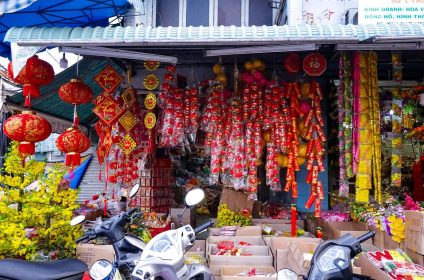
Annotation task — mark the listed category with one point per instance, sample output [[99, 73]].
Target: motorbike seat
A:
[[51, 270]]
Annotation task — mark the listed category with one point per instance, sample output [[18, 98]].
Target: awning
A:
[[71, 13], [210, 35]]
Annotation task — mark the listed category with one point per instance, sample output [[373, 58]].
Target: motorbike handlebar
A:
[[203, 227], [82, 238], [132, 211], [366, 236]]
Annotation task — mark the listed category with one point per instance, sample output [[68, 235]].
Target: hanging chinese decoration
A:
[[27, 128], [171, 102], [366, 133], [396, 114], [151, 82], [34, 74], [345, 113], [76, 93], [315, 149], [73, 142]]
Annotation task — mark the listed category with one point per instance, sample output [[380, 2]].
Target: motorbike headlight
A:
[[326, 260]]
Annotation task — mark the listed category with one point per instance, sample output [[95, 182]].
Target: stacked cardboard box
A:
[[237, 273], [258, 254], [414, 242]]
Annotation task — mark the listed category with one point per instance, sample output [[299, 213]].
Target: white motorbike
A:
[[163, 256]]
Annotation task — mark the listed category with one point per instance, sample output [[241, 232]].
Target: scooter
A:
[[163, 256], [127, 248], [332, 260]]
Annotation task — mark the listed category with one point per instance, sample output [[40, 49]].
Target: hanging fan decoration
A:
[[34, 74]]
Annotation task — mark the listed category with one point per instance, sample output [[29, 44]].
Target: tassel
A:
[[31, 90], [71, 173], [73, 159], [26, 148], [100, 175], [27, 102], [76, 118], [105, 207]]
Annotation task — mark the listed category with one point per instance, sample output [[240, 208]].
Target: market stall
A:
[[287, 145]]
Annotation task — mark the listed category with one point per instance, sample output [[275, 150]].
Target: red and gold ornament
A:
[[27, 128], [35, 73], [73, 142]]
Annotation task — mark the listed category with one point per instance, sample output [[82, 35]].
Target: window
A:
[[260, 13], [229, 12], [197, 13], [167, 12]]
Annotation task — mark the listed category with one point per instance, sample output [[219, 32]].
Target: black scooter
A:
[[128, 249], [332, 260]]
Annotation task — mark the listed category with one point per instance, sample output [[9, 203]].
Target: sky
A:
[[52, 56]]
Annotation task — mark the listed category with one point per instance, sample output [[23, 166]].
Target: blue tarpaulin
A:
[[77, 174], [59, 13]]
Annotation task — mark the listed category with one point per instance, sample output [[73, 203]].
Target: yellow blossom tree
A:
[[35, 222]]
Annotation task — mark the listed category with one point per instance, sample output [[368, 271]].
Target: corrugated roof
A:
[[50, 102], [206, 35]]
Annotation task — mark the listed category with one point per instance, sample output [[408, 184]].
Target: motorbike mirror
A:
[[101, 270], [134, 190], [77, 220], [194, 197], [287, 274]]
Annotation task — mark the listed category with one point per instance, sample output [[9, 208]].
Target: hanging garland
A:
[[396, 158], [343, 182], [366, 161]]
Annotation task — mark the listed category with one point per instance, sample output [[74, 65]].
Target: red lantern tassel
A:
[[31, 90], [100, 175], [26, 148], [27, 102], [73, 159], [105, 207]]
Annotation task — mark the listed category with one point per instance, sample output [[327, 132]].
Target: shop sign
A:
[[390, 11], [314, 64]]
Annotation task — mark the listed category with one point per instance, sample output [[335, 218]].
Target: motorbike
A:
[[332, 260], [163, 256], [127, 249]]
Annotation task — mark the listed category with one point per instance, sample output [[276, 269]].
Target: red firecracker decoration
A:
[[73, 142], [27, 128], [35, 73]]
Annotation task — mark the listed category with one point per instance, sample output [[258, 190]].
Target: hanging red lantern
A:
[[75, 92], [113, 165], [134, 176], [35, 73], [27, 128], [112, 179], [73, 142], [127, 179]]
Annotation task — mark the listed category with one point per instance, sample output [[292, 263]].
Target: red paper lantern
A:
[[73, 142], [113, 165], [27, 128], [112, 179], [75, 92], [35, 73]]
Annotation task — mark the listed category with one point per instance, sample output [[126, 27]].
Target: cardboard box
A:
[[249, 231], [236, 201], [90, 253], [414, 225], [253, 240], [280, 248], [231, 272], [378, 239], [300, 256], [390, 244], [261, 256], [187, 219], [335, 230], [199, 248], [369, 269], [299, 223], [416, 258]]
